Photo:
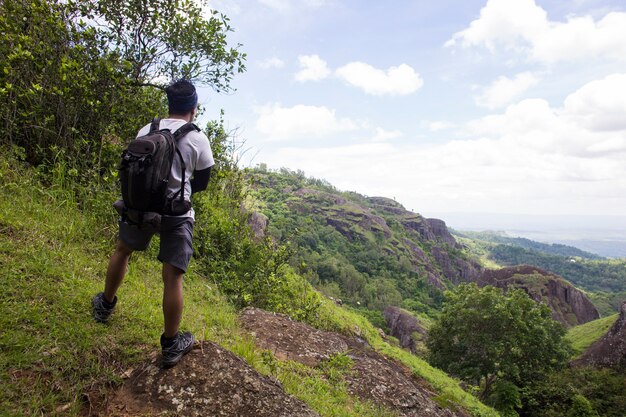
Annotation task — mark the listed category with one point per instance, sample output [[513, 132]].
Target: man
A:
[[175, 230]]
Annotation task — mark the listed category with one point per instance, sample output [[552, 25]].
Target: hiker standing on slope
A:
[[173, 219]]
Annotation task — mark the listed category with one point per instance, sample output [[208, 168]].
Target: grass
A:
[[53, 355], [586, 334]]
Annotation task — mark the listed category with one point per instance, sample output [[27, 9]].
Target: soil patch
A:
[[373, 377]]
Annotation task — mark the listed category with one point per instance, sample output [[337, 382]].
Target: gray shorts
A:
[[176, 235]]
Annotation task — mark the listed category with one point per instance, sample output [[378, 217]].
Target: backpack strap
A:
[[154, 126], [184, 129], [180, 132]]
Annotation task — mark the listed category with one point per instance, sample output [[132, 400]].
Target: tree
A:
[[493, 339], [76, 76], [163, 40]]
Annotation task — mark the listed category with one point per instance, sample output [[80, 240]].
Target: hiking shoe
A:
[[102, 309], [175, 348]]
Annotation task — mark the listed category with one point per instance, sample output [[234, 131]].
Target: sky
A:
[[448, 106]]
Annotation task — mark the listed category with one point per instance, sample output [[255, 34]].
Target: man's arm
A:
[[200, 180]]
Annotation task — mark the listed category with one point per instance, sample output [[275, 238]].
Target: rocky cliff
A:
[[406, 328], [569, 305], [610, 350], [429, 246]]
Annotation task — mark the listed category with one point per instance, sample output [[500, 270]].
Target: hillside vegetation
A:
[[369, 252], [603, 279], [583, 336], [503, 238], [54, 244]]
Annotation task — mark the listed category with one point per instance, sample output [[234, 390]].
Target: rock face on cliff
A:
[[362, 221], [258, 224], [209, 381], [372, 377], [610, 350], [569, 305], [405, 327], [445, 261]]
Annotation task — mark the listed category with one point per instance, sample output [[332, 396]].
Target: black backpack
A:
[[145, 171]]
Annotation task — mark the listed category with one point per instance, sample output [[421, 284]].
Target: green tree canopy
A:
[[493, 339], [76, 76], [167, 40]]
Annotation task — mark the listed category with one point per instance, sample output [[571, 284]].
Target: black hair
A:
[[181, 97]]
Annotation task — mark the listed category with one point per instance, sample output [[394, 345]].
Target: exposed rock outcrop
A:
[[610, 350], [209, 381], [405, 327], [258, 224], [569, 305], [439, 229], [372, 377]]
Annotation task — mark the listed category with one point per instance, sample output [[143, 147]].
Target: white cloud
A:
[[272, 62], [313, 68], [400, 80], [284, 123], [532, 158], [523, 26], [601, 104], [437, 125], [383, 135], [504, 90]]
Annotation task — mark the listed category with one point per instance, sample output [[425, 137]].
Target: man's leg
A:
[[103, 303], [118, 263], [172, 299], [174, 252]]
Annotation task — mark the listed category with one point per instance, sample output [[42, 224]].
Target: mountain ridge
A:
[[385, 247]]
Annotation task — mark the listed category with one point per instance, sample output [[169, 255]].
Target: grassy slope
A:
[[53, 258], [586, 334]]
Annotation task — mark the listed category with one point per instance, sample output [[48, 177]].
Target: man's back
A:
[[196, 151]]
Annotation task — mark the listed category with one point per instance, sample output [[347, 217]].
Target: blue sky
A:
[[499, 106]]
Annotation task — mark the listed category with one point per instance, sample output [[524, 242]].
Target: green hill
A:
[[583, 336], [368, 251], [54, 244], [603, 279], [503, 238]]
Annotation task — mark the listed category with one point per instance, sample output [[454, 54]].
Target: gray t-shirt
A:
[[195, 150]]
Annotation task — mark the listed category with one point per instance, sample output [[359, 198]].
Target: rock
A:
[[569, 305], [610, 350], [403, 326], [258, 224], [385, 202], [209, 381], [372, 377], [456, 269], [291, 340], [441, 233]]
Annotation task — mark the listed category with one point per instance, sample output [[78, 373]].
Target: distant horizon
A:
[[602, 235]]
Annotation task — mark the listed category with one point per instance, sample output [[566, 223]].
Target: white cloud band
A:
[[276, 122], [400, 80]]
